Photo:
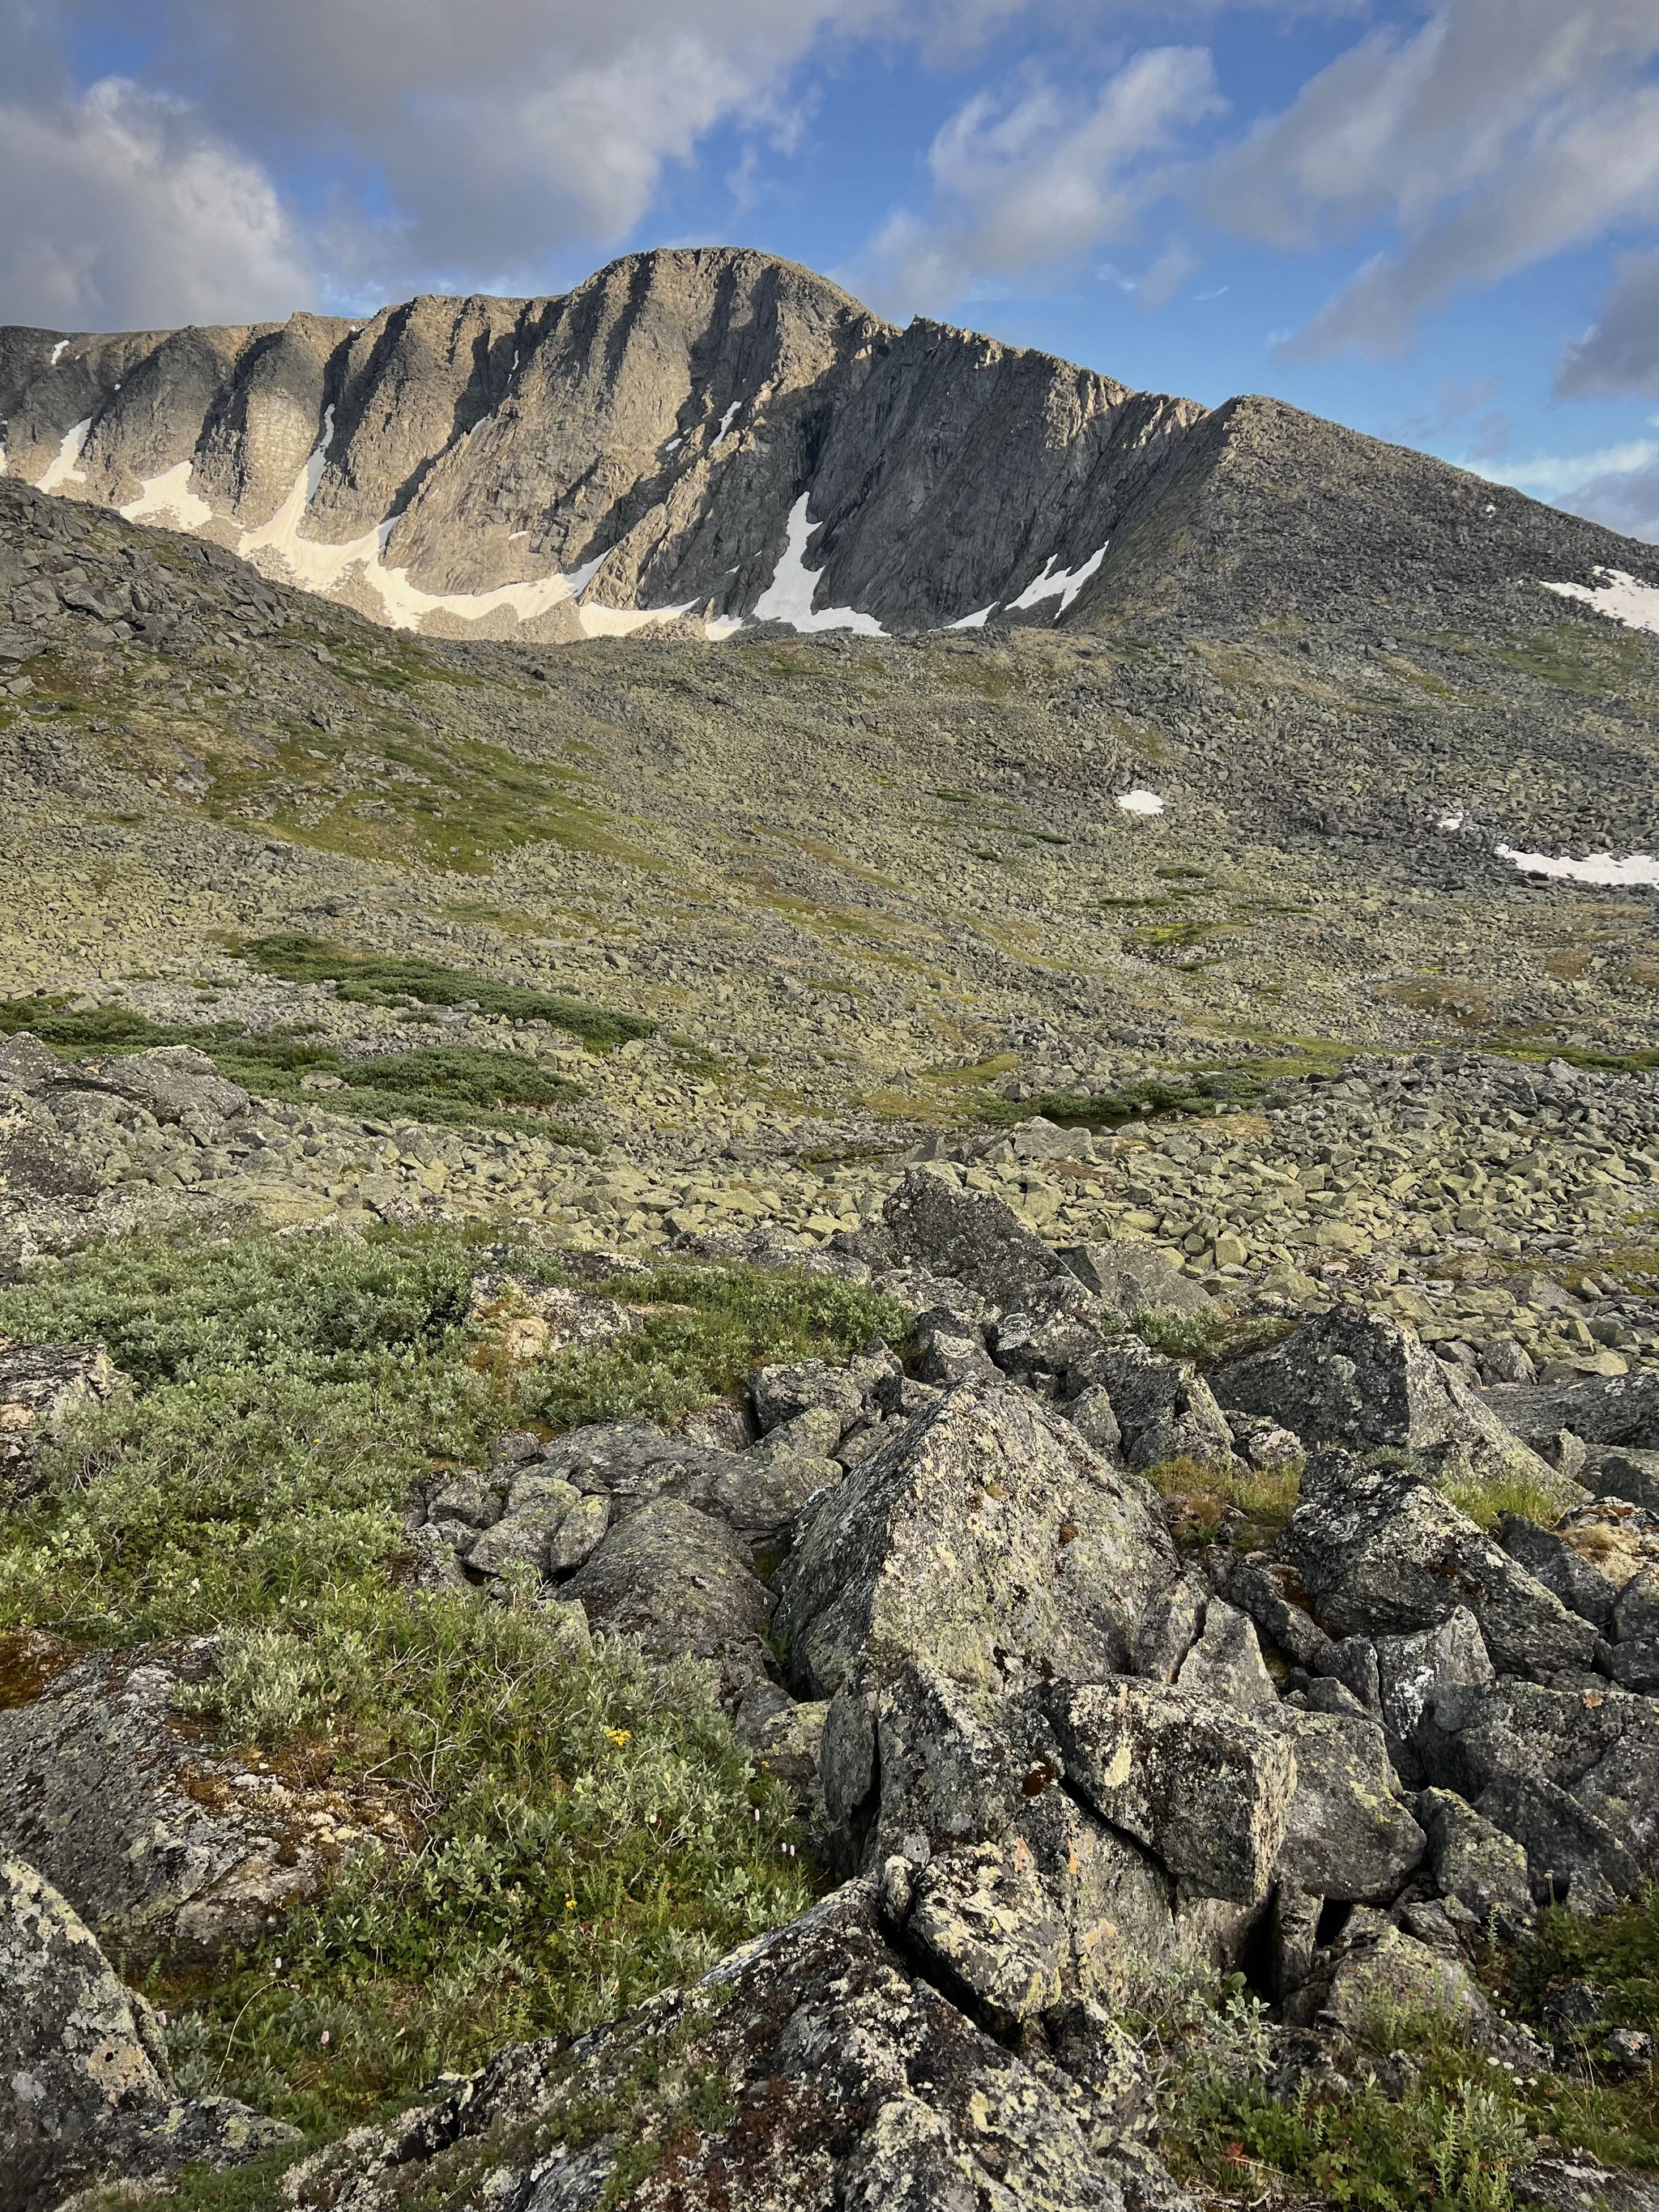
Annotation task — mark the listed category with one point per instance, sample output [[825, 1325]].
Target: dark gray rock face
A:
[[1355, 1377], [675, 1578], [969, 1234], [987, 1539], [1550, 1560], [1206, 1789], [1476, 1863], [1133, 1279], [1602, 1409], [1381, 1553], [85, 2088], [1347, 1834], [162, 1847], [1164, 1407], [854, 2085], [1573, 1777]]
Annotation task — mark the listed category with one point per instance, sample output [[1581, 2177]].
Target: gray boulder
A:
[[986, 1934], [850, 2082], [1550, 1560], [1271, 1592], [1356, 1378], [1225, 1663], [1204, 1787], [1602, 1409], [41, 1386], [1477, 1864], [677, 1580], [968, 1234], [1347, 1834], [1381, 1553], [86, 2091], [1623, 1471], [1164, 1407], [1131, 1278], [987, 1539], [1412, 1671], [174, 1082], [163, 1848], [1057, 1325], [1573, 1775]]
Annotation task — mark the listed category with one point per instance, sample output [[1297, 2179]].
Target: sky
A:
[[1435, 220]]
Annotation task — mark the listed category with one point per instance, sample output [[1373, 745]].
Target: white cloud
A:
[[137, 217], [1552, 475], [1501, 132], [1027, 185]]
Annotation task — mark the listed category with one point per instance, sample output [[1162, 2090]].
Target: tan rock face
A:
[[647, 437]]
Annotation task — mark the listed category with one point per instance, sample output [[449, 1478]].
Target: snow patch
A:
[[579, 579], [1456, 819], [788, 597], [1141, 802], [673, 446], [1056, 583], [727, 419], [58, 353], [1617, 594], [1640, 869], [63, 471], [975, 621], [169, 494]]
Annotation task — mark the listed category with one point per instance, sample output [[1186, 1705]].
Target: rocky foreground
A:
[[1077, 1719]]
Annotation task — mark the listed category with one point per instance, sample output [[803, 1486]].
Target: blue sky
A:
[[1437, 219]]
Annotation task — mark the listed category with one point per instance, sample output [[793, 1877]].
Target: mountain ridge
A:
[[638, 451]]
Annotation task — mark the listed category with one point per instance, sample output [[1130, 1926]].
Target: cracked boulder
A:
[[85, 2088], [987, 1539], [1164, 1407], [1205, 1788], [1381, 1553], [174, 1082], [1131, 1278], [1347, 1834], [850, 2084], [164, 1849]]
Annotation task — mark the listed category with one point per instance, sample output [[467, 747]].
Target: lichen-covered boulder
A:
[[1476, 1863], [164, 1847], [968, 1234], [174, 1082], [676, 1579], [1164, 1407], [1204, 1787], [85, 2087], [987, 1539], [1356, 1378], [1573, 1775], [1380, 1552], [1347, 1834], [849, 2083], [41, 1386]]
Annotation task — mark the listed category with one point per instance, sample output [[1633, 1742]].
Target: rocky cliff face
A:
[[716, 434]]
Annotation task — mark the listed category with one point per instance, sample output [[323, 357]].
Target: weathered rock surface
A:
[[162, 1847], [1381, 1553], [987, 1539], [1355, 1376], [674, 1577], [1203, 1787], [1572, 1777], [40, 1384], [85, 2086], [968, 1234], [852, 2084]]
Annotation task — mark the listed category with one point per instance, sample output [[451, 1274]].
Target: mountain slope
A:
[[719, 435]]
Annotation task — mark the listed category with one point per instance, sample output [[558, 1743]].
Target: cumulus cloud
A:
[[1620, 353], [1025, 186], [138, 217], [1499, 133]]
